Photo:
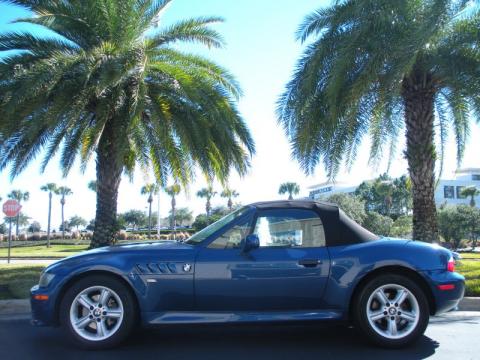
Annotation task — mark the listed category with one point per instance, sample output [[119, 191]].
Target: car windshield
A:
[[210, 229]]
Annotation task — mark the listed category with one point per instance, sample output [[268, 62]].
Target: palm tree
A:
[[228, 193], [207, 193], [51, 188], [20, 196], [150, 190], [173, 191], [289, 188], [471, 191], [92, 185], [377, 66], [111, 83], [63, 191]]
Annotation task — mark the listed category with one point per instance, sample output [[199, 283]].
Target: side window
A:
[[231, 238], [290, 228]]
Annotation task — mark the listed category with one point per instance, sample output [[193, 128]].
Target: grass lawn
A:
[[471, 270], [16, 280], [55, 251], [470, 255]]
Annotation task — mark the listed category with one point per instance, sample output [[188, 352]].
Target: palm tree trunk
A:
[[17, 221], [418, 95], [109, 174], [290, 197], [230, 204], [150, 217], [63, 219], [49, 217]]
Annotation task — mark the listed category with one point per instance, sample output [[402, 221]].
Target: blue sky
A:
[[261, 51]]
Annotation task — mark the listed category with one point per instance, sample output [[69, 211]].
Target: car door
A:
[[288, 271]]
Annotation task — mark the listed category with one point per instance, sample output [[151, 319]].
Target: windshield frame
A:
[[203, 236]]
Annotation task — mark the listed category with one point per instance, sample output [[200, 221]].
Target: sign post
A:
[[11, 208]]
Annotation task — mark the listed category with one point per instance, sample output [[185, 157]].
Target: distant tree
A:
[[352, 205], [453, 225], [402, 226], [378, 224], [290, 188], [135, 218], [77, 221], [63, 191], [471, 191], [471, 216], [150, 190], [207, 193], [229, 194], [3, 228], [34, 227], [173, 191], [20, 196], [182, 215], [91, 225], [50, 188], [92, 185], [64, 227]]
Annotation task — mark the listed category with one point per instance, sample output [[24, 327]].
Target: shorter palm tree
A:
[[471, 191], [207, 193], [173, 191], [150, 190], [290, 188], [228, 193], [50, 188], [20, 196], [63, 191]]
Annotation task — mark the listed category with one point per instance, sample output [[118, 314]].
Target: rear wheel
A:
[[98, 312], [391, 310]]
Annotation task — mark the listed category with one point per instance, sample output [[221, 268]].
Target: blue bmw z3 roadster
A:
[[266, 262]]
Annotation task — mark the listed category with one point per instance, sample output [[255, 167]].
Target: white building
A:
[[448, 191], [324, 190]]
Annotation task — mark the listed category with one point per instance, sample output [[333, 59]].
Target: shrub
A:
[[122, 235], [378, 224], [22, 237], [75, 235]]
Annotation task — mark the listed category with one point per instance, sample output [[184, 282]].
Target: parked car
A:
[[266, 262]]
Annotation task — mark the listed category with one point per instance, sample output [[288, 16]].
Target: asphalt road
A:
[[452, 336]]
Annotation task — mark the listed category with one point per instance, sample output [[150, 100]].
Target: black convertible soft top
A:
[[339, 228]]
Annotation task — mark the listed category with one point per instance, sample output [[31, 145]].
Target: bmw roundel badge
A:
[[187, 267]]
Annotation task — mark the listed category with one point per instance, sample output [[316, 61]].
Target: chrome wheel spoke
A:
[[392, 327], [407, 316], [85, 301], [104, 295], [101, 329], [375, 316], [401, 296], [83, 322], [382, 297], [113, 314]]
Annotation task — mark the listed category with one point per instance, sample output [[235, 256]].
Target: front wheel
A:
[[98, 312], [392, 311]]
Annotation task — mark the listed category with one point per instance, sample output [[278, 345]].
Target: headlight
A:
[[45, 279]]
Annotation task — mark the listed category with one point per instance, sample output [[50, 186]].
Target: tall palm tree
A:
[[377, 66], [207, 193], [92, 185], [229, 194], [150, 190], [51, 188], [471, 191], [173, 191], [63, 191], [20, 196], [290, 188], [114, 84]]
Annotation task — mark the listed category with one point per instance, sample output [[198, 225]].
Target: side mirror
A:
[[251, 242]]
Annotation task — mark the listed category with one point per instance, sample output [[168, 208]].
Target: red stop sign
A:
[[11, 208]]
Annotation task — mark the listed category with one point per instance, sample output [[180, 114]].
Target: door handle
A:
[[309, 262]]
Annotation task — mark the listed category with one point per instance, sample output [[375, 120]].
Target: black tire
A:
[[127, 324], [362, 322]]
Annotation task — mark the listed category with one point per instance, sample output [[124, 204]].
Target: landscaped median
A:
[[41, 251]]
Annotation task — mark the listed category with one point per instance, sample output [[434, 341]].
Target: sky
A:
[[261, 52]]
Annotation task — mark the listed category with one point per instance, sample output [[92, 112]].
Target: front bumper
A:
[[43, 311], [447, 288]]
